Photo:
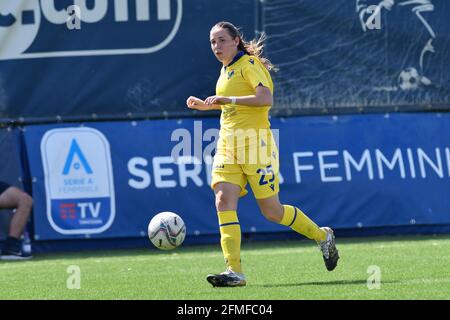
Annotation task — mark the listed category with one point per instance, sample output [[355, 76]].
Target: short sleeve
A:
[[255, 73]]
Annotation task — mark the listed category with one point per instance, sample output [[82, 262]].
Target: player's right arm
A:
[[261, 98], [198, 104]]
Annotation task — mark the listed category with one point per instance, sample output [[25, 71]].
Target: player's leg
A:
[[290, 216], [14, 198], [228, 182], [298, 221], [227, 196], [263, 178]]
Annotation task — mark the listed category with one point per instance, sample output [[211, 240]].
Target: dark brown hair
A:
[[252, 48]]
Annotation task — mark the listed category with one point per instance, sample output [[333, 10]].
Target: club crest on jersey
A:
[[252, 61], [230, 74]]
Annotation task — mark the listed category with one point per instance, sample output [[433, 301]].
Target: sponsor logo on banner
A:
[[107, 27], [78, 180]]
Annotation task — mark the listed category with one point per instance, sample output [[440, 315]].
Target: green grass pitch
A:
[[411, 268]]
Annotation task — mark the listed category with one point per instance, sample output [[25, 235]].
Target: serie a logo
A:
[[38, 28], [79, 182]]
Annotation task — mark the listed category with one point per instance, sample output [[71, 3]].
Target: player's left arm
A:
[[262, 97]]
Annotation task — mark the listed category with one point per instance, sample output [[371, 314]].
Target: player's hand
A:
[[197, 104], [217, 100]]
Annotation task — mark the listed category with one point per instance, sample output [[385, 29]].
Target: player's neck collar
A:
[[236, 58]]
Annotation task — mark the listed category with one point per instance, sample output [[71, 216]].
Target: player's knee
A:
[[273, 213], [225, 202]]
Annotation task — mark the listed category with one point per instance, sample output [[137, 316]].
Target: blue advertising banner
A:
[[10, 170], [107, 180], [117, 59], [88, 59], [359, 54]]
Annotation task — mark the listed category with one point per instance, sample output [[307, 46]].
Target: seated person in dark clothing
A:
[[14, 198]]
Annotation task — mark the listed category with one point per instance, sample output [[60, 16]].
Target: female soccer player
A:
[[244, 94]]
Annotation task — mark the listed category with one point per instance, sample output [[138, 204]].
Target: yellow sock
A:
[[293, 217], [230, 239]]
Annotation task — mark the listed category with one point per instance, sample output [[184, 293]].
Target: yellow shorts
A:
[[260, 170]]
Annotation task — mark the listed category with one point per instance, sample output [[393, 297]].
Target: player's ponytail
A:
[[252, 48]]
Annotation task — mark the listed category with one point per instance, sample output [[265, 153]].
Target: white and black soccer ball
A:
[[166, 230], [409, 79]]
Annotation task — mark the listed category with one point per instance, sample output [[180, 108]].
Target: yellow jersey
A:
[[240, 78]]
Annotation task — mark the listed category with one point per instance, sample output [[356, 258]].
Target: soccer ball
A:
[[409, 79], [166, 230]]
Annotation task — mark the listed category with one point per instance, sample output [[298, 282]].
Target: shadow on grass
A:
[[320, 283]]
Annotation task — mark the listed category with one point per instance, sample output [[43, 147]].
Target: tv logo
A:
[[78, 180], [22, 23], [92, 207]]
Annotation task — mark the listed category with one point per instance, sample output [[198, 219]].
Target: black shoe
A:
[[12, 250], [9, 255], [329, 252], [227, 279]]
